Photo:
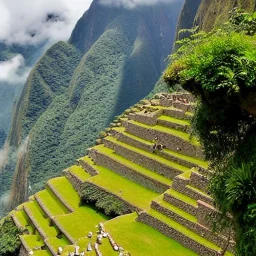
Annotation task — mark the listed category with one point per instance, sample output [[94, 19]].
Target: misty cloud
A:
[[31, 22], [135, 3], [14, 71], [4, 156]]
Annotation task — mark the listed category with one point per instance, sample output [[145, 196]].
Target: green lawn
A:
[[174, 120], [55, 243], [66, 191], [137, 168], [22, 217], [79, 172], [176, 210], [149, 155], [80, 222], [42, 253], [32, 241], [182, 197], [124, 188], [51, 202], [190, 159], [140, 239], [37, 214]]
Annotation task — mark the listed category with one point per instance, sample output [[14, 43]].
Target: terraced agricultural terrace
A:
[[148, 174]]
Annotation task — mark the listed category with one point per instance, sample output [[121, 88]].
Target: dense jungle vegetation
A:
[[219, 68]]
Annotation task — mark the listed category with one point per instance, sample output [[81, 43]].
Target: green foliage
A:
[[9, 238], [107, 203]]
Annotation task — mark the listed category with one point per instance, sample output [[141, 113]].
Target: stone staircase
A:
[[149, 163]]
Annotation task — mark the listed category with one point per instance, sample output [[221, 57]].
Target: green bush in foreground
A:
[[9, 238]]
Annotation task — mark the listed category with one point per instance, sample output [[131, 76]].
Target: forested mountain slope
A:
[[113, 59]]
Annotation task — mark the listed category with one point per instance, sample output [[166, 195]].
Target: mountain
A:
[[10, 91], [113, 59], [207, 14]]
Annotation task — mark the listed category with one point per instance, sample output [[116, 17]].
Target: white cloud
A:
[[14, 70], [26, 21], [135, 3], [4, 155]]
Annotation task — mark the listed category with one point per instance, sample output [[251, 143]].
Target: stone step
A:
[[65, 192], [54, 243], [40, 220], [76, 175], [197, 194], [199, 181], [175, 123], [181, 201], [50, 204], [178, 113], [168, 154], [183, 159], [108, 158], [146, 159], [35, 244], [183, 235], [187, 220], [113, 183], [172, 139]]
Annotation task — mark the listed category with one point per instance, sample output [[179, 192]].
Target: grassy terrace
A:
[[55, 242], [66, 191], [124, 188], [197, 190], [51, 203], [174, 120], [140, 239], [32, 241], [79, 172], [149, 155], [42, 253], [182, 197], [38, 217], [80, 222], [190, 159], [105, 248], [176, 210], [22, 217], [170, 131], [137, 168], [187, 232]]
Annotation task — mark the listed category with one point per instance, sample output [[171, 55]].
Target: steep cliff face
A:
[[113, 59], [207, 14], [212, 13], [10, 88]]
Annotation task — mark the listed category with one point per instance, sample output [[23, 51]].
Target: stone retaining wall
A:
[[149, 118], [74, 180], [177, 114], [177, 160], [126, 206], [170, 141], [180, 204], [193, 226], [174, 234], [199, 181], [183, 128], [179, 183], [23, 251], [87, 167], [151, 164], [138, 144], [125, 171]]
